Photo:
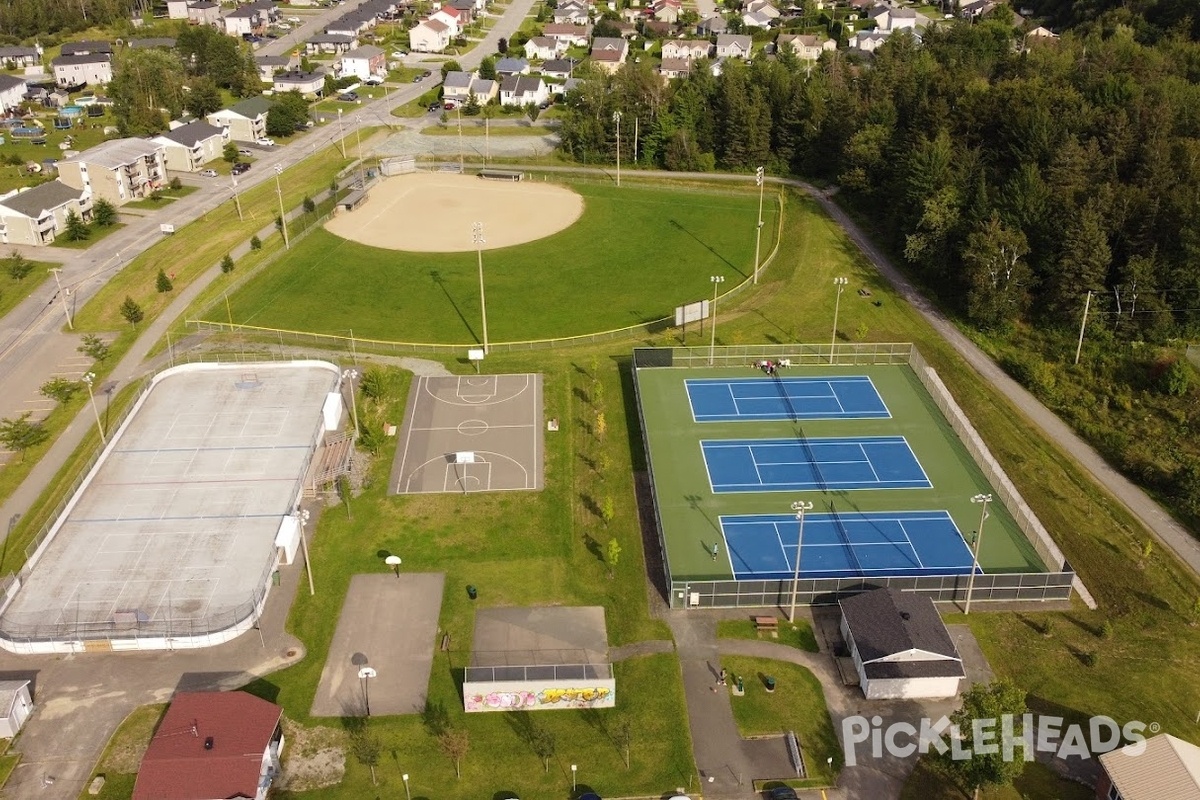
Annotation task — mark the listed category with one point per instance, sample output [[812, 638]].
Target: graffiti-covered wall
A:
[[539, 695]]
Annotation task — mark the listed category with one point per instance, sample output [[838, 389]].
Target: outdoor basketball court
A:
[[471, 433], [433, 212], [726, 400], [774, 465], [845, 545], [173, 532]]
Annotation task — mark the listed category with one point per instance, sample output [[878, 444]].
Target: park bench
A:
[[766, 624]]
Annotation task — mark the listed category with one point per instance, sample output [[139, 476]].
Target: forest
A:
[[1019, 180], [22, 20]]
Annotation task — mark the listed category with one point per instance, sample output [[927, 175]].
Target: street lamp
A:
[[983, 500], [617, 119], [404, 778], [574, 785], [89, 378], [477, 237], [62, 296], [287, 245], [840, 284], [800, 506], [717, 280], [302, 517], [237, 201], [365, 674], [760, 179], [352, 375], [341, 134]]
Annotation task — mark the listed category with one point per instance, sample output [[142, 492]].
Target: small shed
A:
[[901, 648], [15, 707]]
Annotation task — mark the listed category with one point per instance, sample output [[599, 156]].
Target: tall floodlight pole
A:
[[800, 506], [407, 794], [717, 280], [617, 119], [840, 285], [287, 245], [62, 296], [88, 379], [759, 178], [303, 518], [237, 200], [350, 376], [982, 499], [341, 134], [477, 237], [362, 176], [461, 152]]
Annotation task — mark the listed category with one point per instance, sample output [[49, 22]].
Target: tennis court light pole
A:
[[800, 506], [717, 280], [477, 237], [982, 499], [88, 379], [760, 179], [302, 517], [840, 283], [617, 119], [351, 375]]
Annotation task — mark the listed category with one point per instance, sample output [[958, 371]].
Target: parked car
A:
[[240, 167], [782, 793], [426, 74], [373, 81], [434, 107], [265, 142], [449, 105], [208, 173], [398, 54], [294, 20], [348, 97], [242, 151]]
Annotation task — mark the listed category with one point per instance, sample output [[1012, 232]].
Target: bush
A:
[[93, 347], [309, 205], [255, 243], [1176, 379], [175, 184], [227, 264]]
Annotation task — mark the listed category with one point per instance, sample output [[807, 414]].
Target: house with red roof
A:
[[212, 746], [451, 17]]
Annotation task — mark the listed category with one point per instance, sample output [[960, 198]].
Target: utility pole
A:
[[63, 297], [617, 119], [237, 200], [1083, 325]]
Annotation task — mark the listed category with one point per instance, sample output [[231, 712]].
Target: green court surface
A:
[[633, 255], [690, 511]]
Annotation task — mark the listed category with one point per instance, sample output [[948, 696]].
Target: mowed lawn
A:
[[634, 255]]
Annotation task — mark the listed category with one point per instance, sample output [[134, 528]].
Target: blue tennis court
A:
[[776, 465], [729, 400], [846, 545]]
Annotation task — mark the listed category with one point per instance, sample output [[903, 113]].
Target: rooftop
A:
[[884, 622], [1167, 769], [116, 153], [44, 197], [191, 134]]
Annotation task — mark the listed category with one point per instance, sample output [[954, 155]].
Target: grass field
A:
[[930, 782], [799, 635], [123, 755], [581, 280], [680, 473], [13, 292]]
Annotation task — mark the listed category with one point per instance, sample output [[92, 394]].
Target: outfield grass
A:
[[797, 704], [799, 634], [581, 280], [477, 130], [96, 233]]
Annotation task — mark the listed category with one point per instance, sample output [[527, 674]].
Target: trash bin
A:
[[471, 592], [770, 683], [741, 687]]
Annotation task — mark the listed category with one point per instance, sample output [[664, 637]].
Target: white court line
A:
[[870, 464], [783, 549], [490, 426], [832, 391], [408, 434], [754, 461], [911, 546]]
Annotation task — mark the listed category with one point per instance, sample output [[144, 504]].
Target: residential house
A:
[[245, 121], [177, 9], [657, 29], [363, 62], [1042, 33], [763, 8], [189, 147], [335, 43], [862, 5], [543, 48], [430, 36], [518, 90], [686, 48], [244, 21], [297, 80], [352, 24], [20, 56], [674, 68], [468, 10], [976, 9], [713, 26], [868, 41], [889, 19], [632, 14], [119, 170], [212, 744], [558, 67], [804, 46], [627, 29], [15, 706], [512, 66], [1160, 768], [900, 646], [93, 70], [485, 90], [152, 43], [457, 86], [732, 45], [571, 12], [87, 48], [12, 93], [450, 17], [666, 10], [609, 54], [36, 216], [570, 35], [756, 19], [269, 65], [204, 12]]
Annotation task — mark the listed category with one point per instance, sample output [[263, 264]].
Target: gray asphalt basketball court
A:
[[471, 433], [174, 529], [389, 624]]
